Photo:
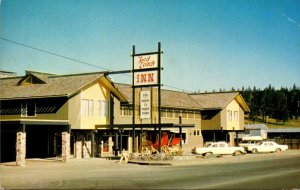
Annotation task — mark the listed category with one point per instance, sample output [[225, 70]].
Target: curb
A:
[[150, 163]]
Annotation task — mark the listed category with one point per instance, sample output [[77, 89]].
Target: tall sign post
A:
[[146, 72]]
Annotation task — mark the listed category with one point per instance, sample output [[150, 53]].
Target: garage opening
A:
[[8, 146], [43, 141]]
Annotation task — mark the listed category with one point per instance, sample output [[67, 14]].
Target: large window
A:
[[105, 108], [87, 107], [28, 109], [236, 116]]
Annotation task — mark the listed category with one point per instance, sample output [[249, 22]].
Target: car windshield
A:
[[208, 145], [260, 143]]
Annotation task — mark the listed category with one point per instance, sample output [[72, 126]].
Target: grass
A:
[[271, 123]]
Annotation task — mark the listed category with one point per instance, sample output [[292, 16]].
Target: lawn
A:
[[271, 123]]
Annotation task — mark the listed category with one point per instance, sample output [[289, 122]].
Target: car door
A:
[[264, 147]]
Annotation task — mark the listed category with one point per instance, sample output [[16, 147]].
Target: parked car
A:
[[266, 146], [219, 148], [250, 141]]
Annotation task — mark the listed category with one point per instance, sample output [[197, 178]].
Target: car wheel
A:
[[278, 150], [237, 153], [254, 151], [208, 154]]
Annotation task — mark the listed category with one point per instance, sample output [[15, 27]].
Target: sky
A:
[[207, 44]]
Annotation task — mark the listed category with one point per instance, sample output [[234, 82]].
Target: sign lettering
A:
[[145, 102], [145, 62], [145, 78]]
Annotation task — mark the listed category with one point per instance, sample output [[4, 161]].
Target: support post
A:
[[180, 131], [133, 102], [159, 97], [20, 148], [65, 146], [92, 144]]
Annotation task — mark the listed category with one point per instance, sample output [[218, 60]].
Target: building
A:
[[40, 107], [87, 115], [222, 115], [180, 116]]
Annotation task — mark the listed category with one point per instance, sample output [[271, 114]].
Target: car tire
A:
[[208, 154], [254, 151], [237, 153], [278, 150]]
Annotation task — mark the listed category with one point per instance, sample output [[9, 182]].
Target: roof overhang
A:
[[110, 85], [146, 126], [34, 122], [242, 103]]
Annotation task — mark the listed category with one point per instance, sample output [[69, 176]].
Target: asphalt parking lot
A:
[[272, 170]]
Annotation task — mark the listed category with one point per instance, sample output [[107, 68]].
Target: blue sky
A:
[[207, 44]]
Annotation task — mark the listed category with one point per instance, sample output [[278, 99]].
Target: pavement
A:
[[97, 173]]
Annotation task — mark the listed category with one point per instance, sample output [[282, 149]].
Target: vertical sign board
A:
[[145, 102], [146, 69]]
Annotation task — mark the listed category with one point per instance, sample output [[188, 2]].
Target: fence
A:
[[292, 143]]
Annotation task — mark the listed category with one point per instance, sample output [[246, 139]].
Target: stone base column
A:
[[87, 149], [110, 145], [65, 141], [130, 144], [78, 149], [231, 138], [21, 149]]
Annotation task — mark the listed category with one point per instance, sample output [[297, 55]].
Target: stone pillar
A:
[[87, 149], [231, 138], [21, 149], [78, 149], [110, 145], [101, 148], [129, 144], [136, 144], [65, 148]]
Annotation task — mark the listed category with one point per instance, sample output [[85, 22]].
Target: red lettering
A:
[[150, 77]]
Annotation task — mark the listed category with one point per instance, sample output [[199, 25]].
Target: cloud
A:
[[290, 20]]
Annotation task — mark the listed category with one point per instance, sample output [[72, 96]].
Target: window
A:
[[229, 115], [105, 108], [87, 107], [236, 116], [126, 111], [191, 115], [99, 108], [164, 113], [184, 114], [170, 113], [28, 109]]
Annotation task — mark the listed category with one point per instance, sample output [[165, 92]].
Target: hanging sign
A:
[[145, 61], [145, 102], [146, 78]]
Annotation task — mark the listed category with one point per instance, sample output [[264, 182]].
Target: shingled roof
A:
[[169, 98], [214, 101], [52, 86]]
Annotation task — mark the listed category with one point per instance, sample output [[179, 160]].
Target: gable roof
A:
[[53, 86], [169, 98], [218, 101]]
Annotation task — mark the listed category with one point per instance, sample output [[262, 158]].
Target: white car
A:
[[250, 141], [266, 146], [219, 148]]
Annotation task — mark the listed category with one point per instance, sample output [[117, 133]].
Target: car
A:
[[250, 141], [219, 148], [266, 146]]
